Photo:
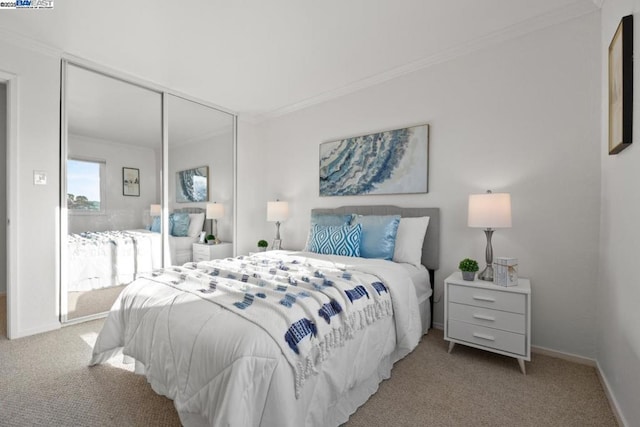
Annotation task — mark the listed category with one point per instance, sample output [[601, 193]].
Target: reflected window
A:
[[86, 186]]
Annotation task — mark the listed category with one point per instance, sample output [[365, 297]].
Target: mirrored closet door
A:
[[145, 176], [200, 180], [111, 170]]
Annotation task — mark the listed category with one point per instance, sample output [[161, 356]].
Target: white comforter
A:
[[102, 259], [222, 369]]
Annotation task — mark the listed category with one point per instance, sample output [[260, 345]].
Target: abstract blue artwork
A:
[[388, 162], [191, 185]]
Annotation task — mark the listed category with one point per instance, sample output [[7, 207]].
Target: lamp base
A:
[[486, 274]]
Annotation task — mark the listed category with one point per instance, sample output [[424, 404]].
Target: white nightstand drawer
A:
[[200, 251], [488, 337], [512, 322], [204, 252], [489, 298], [200, 257]]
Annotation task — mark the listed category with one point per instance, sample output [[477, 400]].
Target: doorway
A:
[[3, 211]]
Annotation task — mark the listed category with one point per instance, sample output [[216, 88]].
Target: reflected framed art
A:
[[192, 185]]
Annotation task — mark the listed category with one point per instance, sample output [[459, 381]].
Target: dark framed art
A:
[[130, 182], [621, 86]]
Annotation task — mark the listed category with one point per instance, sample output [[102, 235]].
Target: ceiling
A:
[[261, 57], [109, 109]]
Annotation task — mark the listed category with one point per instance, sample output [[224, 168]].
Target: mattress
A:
[[222, 368], [103, 259]]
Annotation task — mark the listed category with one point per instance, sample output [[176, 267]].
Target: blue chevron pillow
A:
[[336, 239]]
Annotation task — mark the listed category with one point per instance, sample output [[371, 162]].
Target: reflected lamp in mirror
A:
[[215, 211], [155, 210], [277, 211], [489, 211], [154, 217]]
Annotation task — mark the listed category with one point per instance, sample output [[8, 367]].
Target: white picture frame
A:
[[203, 235]]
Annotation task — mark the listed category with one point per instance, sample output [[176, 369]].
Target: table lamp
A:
[[215, 211], [489, 211], [277, 211]]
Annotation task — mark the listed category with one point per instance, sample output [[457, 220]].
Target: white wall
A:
[[254, 169], [37, 224], [122, 212], [522, 117], [3, 187], [619, 288]]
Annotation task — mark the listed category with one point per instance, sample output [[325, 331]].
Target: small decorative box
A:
[[505, 271]]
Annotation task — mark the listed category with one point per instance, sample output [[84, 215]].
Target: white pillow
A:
[[409, 239], [195, 226]]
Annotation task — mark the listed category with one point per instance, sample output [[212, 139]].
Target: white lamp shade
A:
[[155, 210], [490, 210], [215, 210], [277, 211]]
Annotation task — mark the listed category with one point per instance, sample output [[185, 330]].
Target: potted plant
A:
[[211, 239], [262, 245], [468, 267]]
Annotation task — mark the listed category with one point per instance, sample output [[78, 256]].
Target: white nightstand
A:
[[490, 317], [204, 252]]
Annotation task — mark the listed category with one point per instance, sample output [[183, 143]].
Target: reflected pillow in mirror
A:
[[378, 235], [179, 224], [195, 224], [155, 224]]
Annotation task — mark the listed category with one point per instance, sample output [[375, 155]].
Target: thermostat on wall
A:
[[39, 177]]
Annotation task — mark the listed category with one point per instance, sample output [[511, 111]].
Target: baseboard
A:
[[613, 403], [565, 356], [39, 330], [437, 325]]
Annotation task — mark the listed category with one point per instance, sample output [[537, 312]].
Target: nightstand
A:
[[204, 252], [490, 317]]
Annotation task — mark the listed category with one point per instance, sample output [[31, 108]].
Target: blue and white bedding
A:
[[102, 259], [275, 339]]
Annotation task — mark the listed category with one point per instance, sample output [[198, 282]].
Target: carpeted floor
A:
[[96, 301], [44, 381]]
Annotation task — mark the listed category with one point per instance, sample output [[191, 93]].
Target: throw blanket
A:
[[107, 258], [307, 307]]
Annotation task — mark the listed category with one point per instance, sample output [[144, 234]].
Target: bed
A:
[[273, 339], [102, 259]]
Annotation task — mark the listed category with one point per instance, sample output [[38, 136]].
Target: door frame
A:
[[11, 81]]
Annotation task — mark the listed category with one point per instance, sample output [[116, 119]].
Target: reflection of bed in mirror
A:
[[180, 247], [104, 259]]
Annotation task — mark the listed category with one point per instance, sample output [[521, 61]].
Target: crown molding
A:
[[22, 41], [555, 17], [598, 3]]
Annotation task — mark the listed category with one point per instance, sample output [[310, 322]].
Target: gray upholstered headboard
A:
[[431, 246], [190, 210]]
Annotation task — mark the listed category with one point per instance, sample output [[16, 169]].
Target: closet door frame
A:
[[70, 60]]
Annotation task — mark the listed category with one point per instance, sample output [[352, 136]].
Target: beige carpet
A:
[[96, 301], [44, 381]]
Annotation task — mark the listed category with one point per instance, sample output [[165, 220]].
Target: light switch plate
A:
[[39, 178]]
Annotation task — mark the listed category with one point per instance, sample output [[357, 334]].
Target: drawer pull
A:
[[483, 317], [480, 298], [484, 337]]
